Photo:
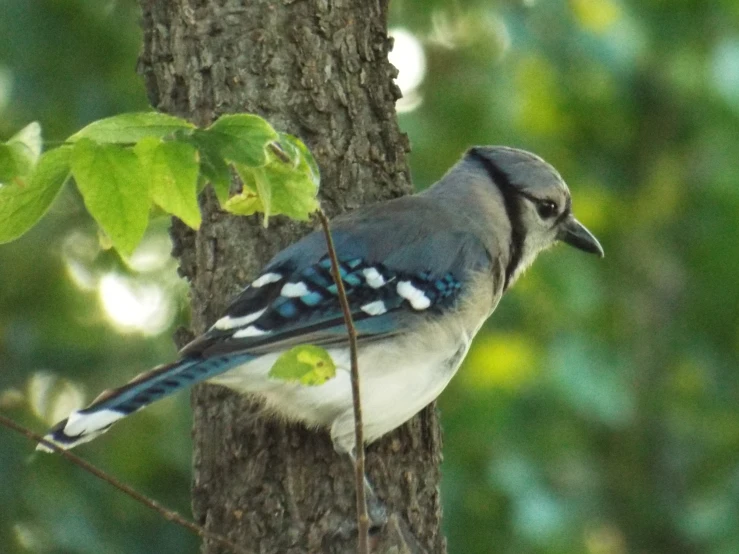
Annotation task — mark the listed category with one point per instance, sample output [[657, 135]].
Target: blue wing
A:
[[395, 275]]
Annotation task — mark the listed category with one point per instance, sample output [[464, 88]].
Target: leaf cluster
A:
[[129, 166]]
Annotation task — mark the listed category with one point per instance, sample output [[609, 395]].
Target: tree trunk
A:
[[317, 69]]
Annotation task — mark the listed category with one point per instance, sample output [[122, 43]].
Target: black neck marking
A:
[[513, 211]]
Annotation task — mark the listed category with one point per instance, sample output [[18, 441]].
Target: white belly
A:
[[396, 383]]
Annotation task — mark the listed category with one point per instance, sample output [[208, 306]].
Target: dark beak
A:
[[575, 234]]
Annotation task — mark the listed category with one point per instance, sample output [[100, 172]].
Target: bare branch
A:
[[362, 516], [146, 501]]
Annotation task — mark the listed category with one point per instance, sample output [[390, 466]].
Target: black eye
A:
[[546, 209]]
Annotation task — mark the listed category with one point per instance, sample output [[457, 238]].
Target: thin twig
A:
[[146, 501], [362, 516]]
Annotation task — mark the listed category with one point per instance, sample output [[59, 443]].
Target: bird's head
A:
[[537, 202]]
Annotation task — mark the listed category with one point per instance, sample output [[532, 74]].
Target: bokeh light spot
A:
[[500, 360], [726, 70], [52, 398], [537, 91], [409, 58], [597, 16], [133, 306]]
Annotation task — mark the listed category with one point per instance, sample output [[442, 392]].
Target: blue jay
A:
[[422, 274]]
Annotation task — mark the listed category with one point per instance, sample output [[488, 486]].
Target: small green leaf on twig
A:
[[307, 364], [112, 184], [286, 185]]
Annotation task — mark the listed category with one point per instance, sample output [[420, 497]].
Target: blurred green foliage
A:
[[598, 411]]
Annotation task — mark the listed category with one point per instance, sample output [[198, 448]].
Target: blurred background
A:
[[598, 411]]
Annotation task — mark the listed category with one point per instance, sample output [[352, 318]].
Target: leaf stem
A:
[[362, 515]]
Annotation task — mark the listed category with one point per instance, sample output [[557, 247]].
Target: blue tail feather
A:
[[112, 405]]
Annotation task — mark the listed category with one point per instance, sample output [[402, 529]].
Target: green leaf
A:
[[22, 206], [294, 189], [172, 170], [212, 165], [242, 138], [19, 156], [287, 184], [129, 128], [112, 184], [307, 364]]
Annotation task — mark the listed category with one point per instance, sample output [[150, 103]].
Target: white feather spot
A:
[[266, 279], [251, 331], [294, 290], [416, 297], [374, 278], [84, 424], [229, 322], [374, 308]]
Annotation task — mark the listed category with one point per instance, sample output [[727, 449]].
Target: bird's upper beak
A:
[[575, 234]]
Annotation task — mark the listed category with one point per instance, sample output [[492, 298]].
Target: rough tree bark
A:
[[317, 69]]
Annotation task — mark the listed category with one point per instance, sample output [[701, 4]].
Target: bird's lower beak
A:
[[575, 234]]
